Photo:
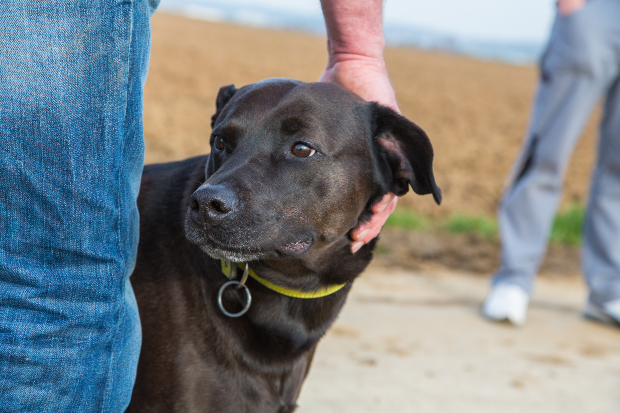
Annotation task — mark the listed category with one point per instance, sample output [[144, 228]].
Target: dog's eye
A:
[[301, 150], [218, 142]]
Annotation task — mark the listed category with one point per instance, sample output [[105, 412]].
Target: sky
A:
[[499, 20], [496, 20]]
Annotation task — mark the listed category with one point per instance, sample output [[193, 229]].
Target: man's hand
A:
[[567, 7], [363, 75], [355, 49], [364, 233]]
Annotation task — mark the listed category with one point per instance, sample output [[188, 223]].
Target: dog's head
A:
[[295, 166]]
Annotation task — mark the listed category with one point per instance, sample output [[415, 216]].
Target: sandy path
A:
[[410, 342]]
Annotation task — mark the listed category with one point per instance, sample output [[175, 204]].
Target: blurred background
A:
[[465, 71]]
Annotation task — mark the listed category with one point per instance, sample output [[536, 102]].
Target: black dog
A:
[[293, 168]]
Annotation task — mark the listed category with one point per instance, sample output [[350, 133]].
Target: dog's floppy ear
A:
[[223, 96], [407, 150]]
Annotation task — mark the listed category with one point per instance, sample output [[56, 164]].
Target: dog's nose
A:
[[210, 204]]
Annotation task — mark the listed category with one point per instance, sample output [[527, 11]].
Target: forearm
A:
[[354, 27]]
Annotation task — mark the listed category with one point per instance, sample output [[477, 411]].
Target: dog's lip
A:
[[217, 244], [296, 247], [225, 252], [208, 240], [293, 248]]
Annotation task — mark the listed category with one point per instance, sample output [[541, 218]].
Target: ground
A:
[[415, 342]]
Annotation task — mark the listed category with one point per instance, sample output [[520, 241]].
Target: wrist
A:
[[567, 7], [354, 28], [368, 60], [369, 47]]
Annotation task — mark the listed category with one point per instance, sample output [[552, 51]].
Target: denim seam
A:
[[110, 376]]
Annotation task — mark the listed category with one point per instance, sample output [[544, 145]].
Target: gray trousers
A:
[[581, 64]]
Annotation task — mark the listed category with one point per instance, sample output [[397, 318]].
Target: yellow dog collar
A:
[[289, 292]]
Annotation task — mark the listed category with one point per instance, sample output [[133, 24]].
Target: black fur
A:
[[253, 200]]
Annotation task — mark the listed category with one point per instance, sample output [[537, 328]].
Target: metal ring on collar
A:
[[221, 305]]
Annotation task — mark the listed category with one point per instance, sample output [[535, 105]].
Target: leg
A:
[[564, 102], [575, 73], [601, 255], [70, 162]]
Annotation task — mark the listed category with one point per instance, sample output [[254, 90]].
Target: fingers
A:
[[365, 232]]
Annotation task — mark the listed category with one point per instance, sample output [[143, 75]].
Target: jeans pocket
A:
[[572, 45]]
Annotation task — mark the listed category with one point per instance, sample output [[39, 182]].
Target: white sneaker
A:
[[506, 302], [608, 313]]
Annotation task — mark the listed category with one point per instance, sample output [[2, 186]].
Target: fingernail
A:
[[356, 246], [362, 234], [381, 208]]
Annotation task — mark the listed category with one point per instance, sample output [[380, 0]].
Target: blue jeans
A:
[[71, 155]]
